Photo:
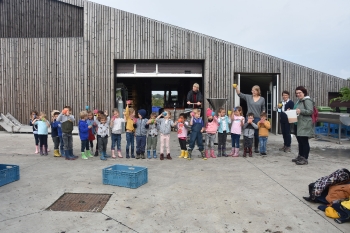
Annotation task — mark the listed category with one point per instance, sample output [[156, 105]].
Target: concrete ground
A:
[[218, 195]]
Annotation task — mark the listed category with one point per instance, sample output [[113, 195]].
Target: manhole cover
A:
[[80, 202]]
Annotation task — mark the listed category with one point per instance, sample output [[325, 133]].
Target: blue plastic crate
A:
[[8, 173], [321, 130], [125, 176], [155, 109]]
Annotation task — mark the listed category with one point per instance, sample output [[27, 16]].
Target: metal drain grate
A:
[[80, 202]]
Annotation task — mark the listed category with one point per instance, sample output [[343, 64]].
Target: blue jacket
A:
[[54, 128], [59, 130], [228, 121], [83, 130]]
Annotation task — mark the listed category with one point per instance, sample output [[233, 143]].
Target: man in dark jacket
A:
[[195, 96], [287, 104]]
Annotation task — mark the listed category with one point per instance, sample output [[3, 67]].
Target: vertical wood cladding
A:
[[48, 73], [40, 19]]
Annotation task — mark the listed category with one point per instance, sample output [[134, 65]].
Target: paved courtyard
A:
[[218, 195]]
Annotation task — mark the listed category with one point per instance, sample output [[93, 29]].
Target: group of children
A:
[[145, 131]]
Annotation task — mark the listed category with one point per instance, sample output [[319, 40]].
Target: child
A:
[[54, 133], [224, 122], [97, 114], [129, 115], [152, 135], [264, 126], [116, 125], [102, 123], [43, 131], [59, 132], [197, 128], [237, 120], [165, 125], [92, 131], [248, 133], [211, 129], [182, 130], [141, 134], [34, 115], [67, 122], [84, 128]]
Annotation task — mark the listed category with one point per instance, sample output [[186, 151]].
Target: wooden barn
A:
[[76, 52]]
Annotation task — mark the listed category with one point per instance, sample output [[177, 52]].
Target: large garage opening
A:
[[268, 84], [157, 85]]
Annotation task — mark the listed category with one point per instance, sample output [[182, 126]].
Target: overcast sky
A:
[[312, 33]]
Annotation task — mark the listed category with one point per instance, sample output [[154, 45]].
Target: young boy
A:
[[248, 133], [84, 135], [264, 126], [197, 128], [67, 122], [224, 128], [116, 125], [152, 136], [54, 133], [102, 123], [141, 134]]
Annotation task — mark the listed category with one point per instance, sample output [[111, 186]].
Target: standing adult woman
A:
[[287, 104], [303, 128], [256, 105]]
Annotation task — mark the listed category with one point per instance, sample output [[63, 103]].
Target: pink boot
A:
[[113, 154], [36, 149], [232, 152], [120, 154], [236, 153], [212, 153], [207, 154]]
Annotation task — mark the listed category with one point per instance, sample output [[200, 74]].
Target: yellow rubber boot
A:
[[182, 154], [185, 154], [56, 153]]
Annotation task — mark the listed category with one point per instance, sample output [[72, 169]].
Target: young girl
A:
[[34, 115], [54, 133], [92, 130], [116, 125], [211, 129], [102, 123], [152, 136], [182, 130], [224, 122], [43, 128], [129, 116], [84, 135], [165, 125], [237, 120]]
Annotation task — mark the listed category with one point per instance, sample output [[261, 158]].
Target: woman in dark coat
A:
[[287, 104]]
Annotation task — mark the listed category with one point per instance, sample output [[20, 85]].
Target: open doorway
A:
[[268, 84]]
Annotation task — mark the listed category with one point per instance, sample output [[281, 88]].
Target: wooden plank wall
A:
[[40, 19], [48, 73]]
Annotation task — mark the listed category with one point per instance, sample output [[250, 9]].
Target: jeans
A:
[[84, 145], [43, 140], [196, 137], [36, 138], [287, 139], [56, 142], [140, 144], [102, 143], [116, 138], [263, 141], [61, 143], [235, 140], [152, 142], [67, 141], [209, 140], [129, 142]]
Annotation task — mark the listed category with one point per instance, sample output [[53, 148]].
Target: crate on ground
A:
[[321, 130], [156, 109], [8, 173], [125, 176]]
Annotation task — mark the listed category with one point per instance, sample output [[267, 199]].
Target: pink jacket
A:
[[212, 127], [182, 130]]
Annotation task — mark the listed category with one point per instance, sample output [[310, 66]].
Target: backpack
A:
[[314, 115]]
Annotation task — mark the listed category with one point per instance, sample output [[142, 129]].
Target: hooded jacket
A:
[[83, 130], [305, 126]]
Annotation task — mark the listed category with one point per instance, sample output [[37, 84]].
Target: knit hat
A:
[[209, 112], [142, 112]]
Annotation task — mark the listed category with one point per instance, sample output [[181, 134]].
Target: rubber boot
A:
[[71, 153], [154, 154], [250, 152], [36, 149], [232, 152], [127, 154], [189, 152], [168, 156], [41, 151], [236, 153], [161, 156], [88, 154], [68, 155], [149, 154], [45, 150], [103, 155], [62, 152], [245, 152], [186, 154], [120, 154], [56, 153], [143, 155], [212, 153], [83, 156], [138, 156], [96, 153], [207, 154], [113, 154], [219, 151], [182, 154], [203, 155], [224, 151]]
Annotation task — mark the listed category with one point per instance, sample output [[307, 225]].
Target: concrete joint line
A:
[[120, 223], [20, 216]]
